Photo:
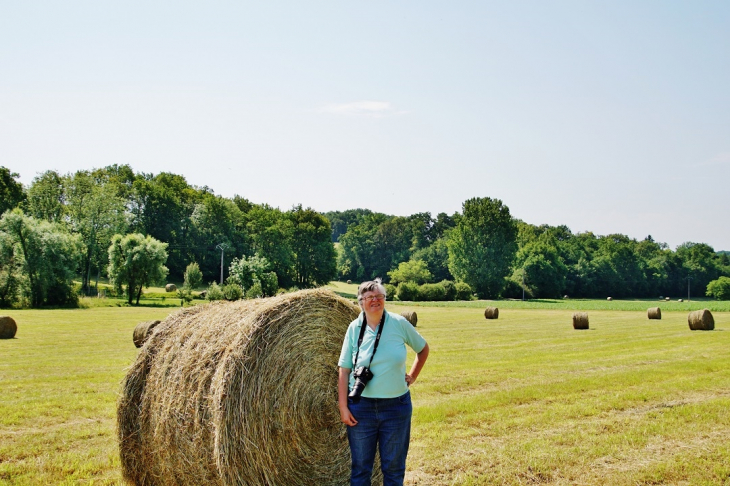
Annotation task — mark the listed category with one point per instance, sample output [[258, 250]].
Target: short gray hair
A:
[[370, 286]]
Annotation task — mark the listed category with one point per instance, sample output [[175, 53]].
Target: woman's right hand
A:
[[347, 418]]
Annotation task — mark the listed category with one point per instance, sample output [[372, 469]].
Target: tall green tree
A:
[[46, 197], [11, 191], [47, 255], [271, 233], [314, 252], [482, 246], [96, 212], [136, 261]]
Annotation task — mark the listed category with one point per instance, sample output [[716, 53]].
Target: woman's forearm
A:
[[418, 364]]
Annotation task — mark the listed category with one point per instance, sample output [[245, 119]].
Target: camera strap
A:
[[362, 335]]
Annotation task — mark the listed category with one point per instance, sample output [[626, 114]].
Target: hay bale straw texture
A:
[[654, 313], [170, 288], [411, 317], [491, 313], [142, 331], [239, 393], [701, 320], [580, 320], [8, 327], [609, 299]]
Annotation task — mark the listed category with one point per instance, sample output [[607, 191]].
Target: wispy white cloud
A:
[[363, 108], [721, 159]]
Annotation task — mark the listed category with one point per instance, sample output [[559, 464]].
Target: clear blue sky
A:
[[611, 117]]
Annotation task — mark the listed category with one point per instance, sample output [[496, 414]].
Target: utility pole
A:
[[222, 247], [688, 280]]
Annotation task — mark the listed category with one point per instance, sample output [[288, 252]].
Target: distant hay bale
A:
[[661, 297], [349, 281], [170, 288], [680, 300], [654, 313], [411, 316], [8, 327], [142, 331], [667, 299], [580, 320], [701, 320], [566, 296], [244, 392], [491, 313], [609, 299]]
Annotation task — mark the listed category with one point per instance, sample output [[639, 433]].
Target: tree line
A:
[[87, 224]]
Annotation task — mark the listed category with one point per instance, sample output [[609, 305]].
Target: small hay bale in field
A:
[[654, 313], [491, 313], [566, 296], [170, 288], [244, 392], [142, 331], [609, 299], [701, 320], [680, 300], [667, 299], [349, 282], [661, 297], [580, 320], [8, 327], [411, 317]]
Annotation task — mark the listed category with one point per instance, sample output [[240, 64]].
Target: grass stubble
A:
[[521, 400]]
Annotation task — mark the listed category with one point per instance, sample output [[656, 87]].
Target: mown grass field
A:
[[524, 399]]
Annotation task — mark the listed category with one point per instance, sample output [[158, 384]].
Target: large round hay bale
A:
[[609, 299], [701, 320], [491, 313], [667, 299], [349, 282], [234, 393], [142, 331], [680, 300], [580, 320], [654, 313], [411, 317], [170, 288], [8, 327]]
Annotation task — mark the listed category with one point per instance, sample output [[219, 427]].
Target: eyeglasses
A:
[[373, 298]]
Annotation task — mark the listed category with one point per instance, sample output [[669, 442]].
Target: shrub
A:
[[232, 291], [463, 291], [431, 292], [719, 289], [512, 290], [450, 289], [255, 292], [407, 291], [269, 284], [193, 276], [391, 291], [214, 292]]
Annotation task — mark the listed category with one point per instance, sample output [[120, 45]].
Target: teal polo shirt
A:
[[389, 363]]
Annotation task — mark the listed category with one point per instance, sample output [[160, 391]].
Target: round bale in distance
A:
[[243, 392], [491, 313], [609, 299], [142, 331], [680, 300], [701, 320], [8, 327], [411, 317], [170, 288], [667, 299], [654, 313], [580, 320]]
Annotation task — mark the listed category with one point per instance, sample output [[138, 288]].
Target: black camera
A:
[[362, 376]]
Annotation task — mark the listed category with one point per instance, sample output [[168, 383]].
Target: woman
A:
[[381, 417]]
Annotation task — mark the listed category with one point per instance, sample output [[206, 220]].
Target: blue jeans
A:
[[385, 423]]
